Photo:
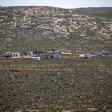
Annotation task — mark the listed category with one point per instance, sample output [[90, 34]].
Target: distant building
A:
[[30, 53], [55, 56], [58, 51], [63, 50], [38, 53], [100, 54], [34, 53], [12, 54], [88, 56], [15, 54], [51, 51], [35, 58], [8, 54], [105, 52], [69, 51]]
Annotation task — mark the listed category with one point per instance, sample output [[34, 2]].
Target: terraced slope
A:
[[33, 28]]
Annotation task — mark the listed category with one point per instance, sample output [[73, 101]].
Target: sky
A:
[[58, 3]]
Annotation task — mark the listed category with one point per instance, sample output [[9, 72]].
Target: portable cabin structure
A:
[[69, 51], [8, 54], [88, 56], [15, 54], [30, 53], [100, 54], [38, 53], [58, 51], [12, 54], [105, 52], [55, 56], [35, 58]]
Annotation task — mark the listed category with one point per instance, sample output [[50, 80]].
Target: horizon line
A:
[[55, 6]]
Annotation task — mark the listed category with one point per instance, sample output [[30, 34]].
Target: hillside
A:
[[40, 28], [95, 9]]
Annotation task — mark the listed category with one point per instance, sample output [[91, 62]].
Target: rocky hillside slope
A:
[[34, 28]]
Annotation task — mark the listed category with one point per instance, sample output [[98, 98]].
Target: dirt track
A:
[[16, 70]]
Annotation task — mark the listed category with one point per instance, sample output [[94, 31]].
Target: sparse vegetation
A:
[[69, 83], [55, 85], [43, 28]]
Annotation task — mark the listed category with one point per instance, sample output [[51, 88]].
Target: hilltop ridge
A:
[[94, 9]]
